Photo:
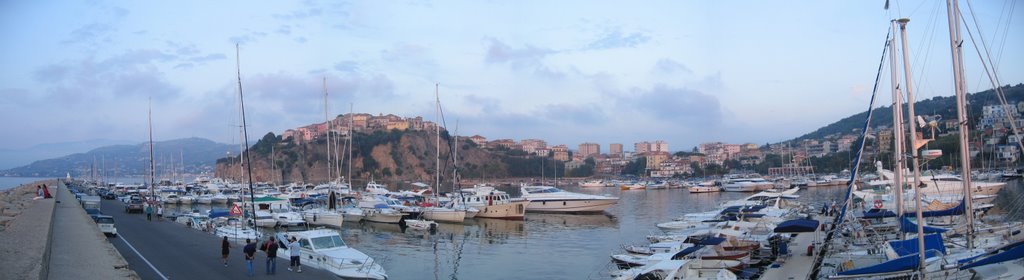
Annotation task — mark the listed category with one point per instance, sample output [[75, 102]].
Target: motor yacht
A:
[[554, 200], [324, 249]]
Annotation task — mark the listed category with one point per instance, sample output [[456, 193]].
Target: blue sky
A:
[[565, 71]]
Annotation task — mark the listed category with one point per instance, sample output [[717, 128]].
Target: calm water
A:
[[544, 246], [552, 246], [10, 182]]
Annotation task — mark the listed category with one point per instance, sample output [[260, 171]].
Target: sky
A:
[[567, 72]]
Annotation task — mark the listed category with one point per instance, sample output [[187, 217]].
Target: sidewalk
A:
[[78, 250]]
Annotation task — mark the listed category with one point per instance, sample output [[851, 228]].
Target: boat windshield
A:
[[327, 242]]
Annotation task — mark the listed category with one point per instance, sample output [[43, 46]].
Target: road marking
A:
[[120, 236]]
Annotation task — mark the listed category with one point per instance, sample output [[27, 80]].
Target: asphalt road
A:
[[169, 250]]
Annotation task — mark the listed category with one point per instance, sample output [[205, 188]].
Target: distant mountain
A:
[[130, 160], [10, 158], [944, 106]]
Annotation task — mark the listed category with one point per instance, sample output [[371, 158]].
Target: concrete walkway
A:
[[78, 249], [24, 241]]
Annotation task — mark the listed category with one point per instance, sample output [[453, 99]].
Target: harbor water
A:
[[544, 246]]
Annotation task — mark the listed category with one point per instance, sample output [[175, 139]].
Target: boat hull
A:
[[515, 210], [447, 216], [379, 217], [570, 205]]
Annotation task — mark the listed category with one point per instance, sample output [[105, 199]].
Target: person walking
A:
[[159, 212], [149, 212], [225, 248], [295, 253], [250, 254], [271, 249]]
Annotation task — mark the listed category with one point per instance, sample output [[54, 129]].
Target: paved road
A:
[[177, 252]]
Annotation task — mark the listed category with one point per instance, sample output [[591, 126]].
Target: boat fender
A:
[[878, 204]]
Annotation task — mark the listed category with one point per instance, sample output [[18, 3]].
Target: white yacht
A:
[[705, 187], [492, 203], [324, 249], [267, 218], [554, 200], [677, 269], [236, 230], [592, 184], [323, 217], [375, 188], [746, 185]]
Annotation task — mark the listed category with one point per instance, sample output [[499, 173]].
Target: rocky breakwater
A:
[[25, 231]]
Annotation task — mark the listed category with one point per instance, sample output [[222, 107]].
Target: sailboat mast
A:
[[351, 115], [327, 123], [913, 143], [245, 133], [437, 126], [897, 126], [961, 113], [152, 164]]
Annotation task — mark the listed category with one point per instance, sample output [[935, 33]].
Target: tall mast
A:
[[455, 154], [953, 13], [245, 133], [897, 126], [913, 143], [351, 115], [327, 123], [152, 164], [437, 125]]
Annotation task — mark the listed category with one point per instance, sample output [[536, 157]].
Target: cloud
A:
[[284, 30], [412, 58], [674, 105], [484, 103], [669, 66], [613, 39], [208, 57], [300, 14], [528, 59], [586, 114], [89, 33], [348, 66]]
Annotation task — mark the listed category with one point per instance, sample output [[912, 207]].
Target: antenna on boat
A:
[[245, 135]]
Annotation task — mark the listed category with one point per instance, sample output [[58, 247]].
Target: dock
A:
[[797, 264]]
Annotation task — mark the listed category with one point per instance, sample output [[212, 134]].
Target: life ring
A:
[[878, 204]]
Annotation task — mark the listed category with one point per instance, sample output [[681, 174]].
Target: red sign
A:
[[235, 211]]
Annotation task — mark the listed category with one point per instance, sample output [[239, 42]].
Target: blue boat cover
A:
[[958, 210], [911, 262], [1011, 252], [743, 209], [909, 246], [381, 206], [908, 226], [798, 225], [712, 241], [687, 251], [219, 213], [875, 213]]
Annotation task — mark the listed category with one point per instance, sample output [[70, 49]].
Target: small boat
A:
[[443, 214], [323, 217], [324, 249], [352, 214], [421, 224], [704, 188], [236, 230], [675, 269], [382, 215], [632, 186], [219, 198], [204, 199], [592, 184], [375, 188], [491, 203]]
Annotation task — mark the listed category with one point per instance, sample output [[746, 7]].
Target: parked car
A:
[[106, 224], [109, 196], [134, 205], [93, 213]]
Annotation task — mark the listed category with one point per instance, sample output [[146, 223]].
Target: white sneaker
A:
[[289, 269]]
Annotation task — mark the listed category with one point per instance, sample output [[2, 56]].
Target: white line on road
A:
[[119, 236]]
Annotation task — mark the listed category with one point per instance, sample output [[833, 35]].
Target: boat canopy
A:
[[1009, 252], [958, 210], [267, 199], [743, 209], [215, 213], [686, 252], [906, 263], [798, 225], [909, 246], [878, 213], [908, 226]]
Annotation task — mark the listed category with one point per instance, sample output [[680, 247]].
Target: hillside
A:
[[128, 160], [939, 105], [385, 156]]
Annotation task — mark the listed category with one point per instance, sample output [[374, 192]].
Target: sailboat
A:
[[926, 255], [438, 213]]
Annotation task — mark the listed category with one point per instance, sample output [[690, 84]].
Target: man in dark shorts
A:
[[225, 248]]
